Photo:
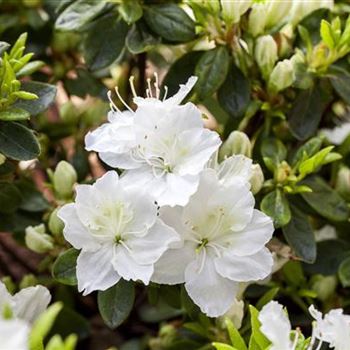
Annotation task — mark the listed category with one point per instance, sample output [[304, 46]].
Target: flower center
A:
[[202, 244]]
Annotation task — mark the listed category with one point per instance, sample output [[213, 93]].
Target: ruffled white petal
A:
[[31, 302], [245, 268], [95, 270], [14, 334], [276, 326], [213, 293]]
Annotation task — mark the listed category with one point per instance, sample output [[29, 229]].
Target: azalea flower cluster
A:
[[175, 215], [332, 328], [17, 314]]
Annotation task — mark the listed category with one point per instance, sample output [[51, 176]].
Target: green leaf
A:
[[222, 346], [314, 163], [18, 142], [130, 10], [104, 42], [79, 13], [170, 22], [307, 150], [325, 200], [10, 198], [115, 304], [273, 149], [139, 39], [257, 335], [190, 307], [13, 114], [330, 254], [46, 95], [180, 71], [30, 68], [307, 110], [64, 268], [326, 34], [211, 69], [32, 199], [300, 236], [344, 273], [275, 205], [3, 47], [267, 297], [340, 80], [234, 94], [236, 339]]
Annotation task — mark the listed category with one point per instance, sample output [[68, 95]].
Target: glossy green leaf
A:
[[273, 149], [170, 21], [340, 80], [211, 70], [140, 39], [307, 150], [10, 198], [307, 110], [46, 96], [104, 42], [257, 335], [222, 346], [17, 141], [79, 13], [234, 94], [116, 303], [275, 205], [300, 236], [64, 268], [235, 337], [325, 200], [130, 10]]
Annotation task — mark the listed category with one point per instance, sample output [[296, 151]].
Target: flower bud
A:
[[235, 314], [283, 172], [282, 76], [237, 143], [324, 286], [56, 225], [257, 178], [2, 159], [28, 281], [64, 178], [233, 10], [268, 14], [266, 54], [343, 182], [37, 240]]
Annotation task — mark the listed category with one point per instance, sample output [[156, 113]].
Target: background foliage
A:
[[58, 60]]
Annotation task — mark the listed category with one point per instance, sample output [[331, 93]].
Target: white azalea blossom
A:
[[164, 146], [276, 327], [27, 304], [338, 134], [223, 243], [118, 231], [14, 334], [302, 8], [333, 328]]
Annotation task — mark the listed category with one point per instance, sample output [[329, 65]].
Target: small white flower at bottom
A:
[[14, 334]]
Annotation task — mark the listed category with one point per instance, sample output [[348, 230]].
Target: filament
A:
[[132, 86], [112, 104], [122, 100]]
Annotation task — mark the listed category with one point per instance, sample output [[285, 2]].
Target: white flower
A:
[[276, 326], [223, 240], [117, 229], [27, 304], [14, 334], [233, 10], [333, 328], [338, 134], [302, 8], [165, 146]]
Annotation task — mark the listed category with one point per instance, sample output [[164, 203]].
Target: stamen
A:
[[313, 337], [319, 344], [203, 261], [149, 87], [112, 104], [216, 247], [295, 342], [165, 93], [148, 93], [122, 100], [125, 246], [132, 86], [156, 85]]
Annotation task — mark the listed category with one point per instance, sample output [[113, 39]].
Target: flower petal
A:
[[170, 268], [31, 302], [74, 231], [245, 268], [253, 237], [5, 297], [183, 91], [149, 248], [95, 270], [14, 334], [276, 326], [213, 293], [129, 268]]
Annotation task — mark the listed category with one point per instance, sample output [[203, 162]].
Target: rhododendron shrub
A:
[[174, 175]]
